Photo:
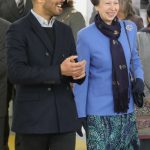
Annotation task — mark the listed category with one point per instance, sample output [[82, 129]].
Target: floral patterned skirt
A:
[[112, 132]]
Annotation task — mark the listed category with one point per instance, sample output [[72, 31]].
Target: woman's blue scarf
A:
[[120, 80]]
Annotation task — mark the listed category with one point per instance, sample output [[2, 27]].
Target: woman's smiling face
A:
[[108, 10]]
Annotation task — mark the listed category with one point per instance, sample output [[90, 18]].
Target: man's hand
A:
[[71, 68], [83, 123]]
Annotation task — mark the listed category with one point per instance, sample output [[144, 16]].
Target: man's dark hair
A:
[[95, 2], [68, 3]]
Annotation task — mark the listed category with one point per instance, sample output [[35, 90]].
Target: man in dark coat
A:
[[9, 11], [41, 53], [3, 83]]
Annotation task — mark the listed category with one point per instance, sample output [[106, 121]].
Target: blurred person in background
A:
[[143, 114], [3, 84], [12, 10], [94, 12], [143, 37], [72, 17], [104, 95], [144, 3], [126, 12]]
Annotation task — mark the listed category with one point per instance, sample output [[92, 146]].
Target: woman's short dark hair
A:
[[95, 2]]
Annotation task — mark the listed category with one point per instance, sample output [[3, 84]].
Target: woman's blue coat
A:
[[94, 96]]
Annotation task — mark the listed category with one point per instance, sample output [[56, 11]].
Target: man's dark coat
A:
[[44, 101]]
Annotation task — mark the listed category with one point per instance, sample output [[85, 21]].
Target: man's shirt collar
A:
[[43, 22]]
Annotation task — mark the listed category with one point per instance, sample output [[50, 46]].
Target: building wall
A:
[[85, 7], [136, 3]]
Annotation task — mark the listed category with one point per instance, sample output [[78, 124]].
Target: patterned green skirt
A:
[[112, 132]]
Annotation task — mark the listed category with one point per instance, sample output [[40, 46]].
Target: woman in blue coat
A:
[[105, 96]]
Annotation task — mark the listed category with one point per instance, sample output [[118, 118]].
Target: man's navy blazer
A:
[[44, 101], [4, 25]]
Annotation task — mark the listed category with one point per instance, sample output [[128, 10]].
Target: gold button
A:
[[120, 67], [118, 83], [114, 83], [124, 66], [49, 89], [114, 42], [115, 32], [46, 54]]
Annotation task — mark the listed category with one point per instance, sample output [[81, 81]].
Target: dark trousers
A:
[[3, 135], [4, 121], [5, 128], [47, 141]]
